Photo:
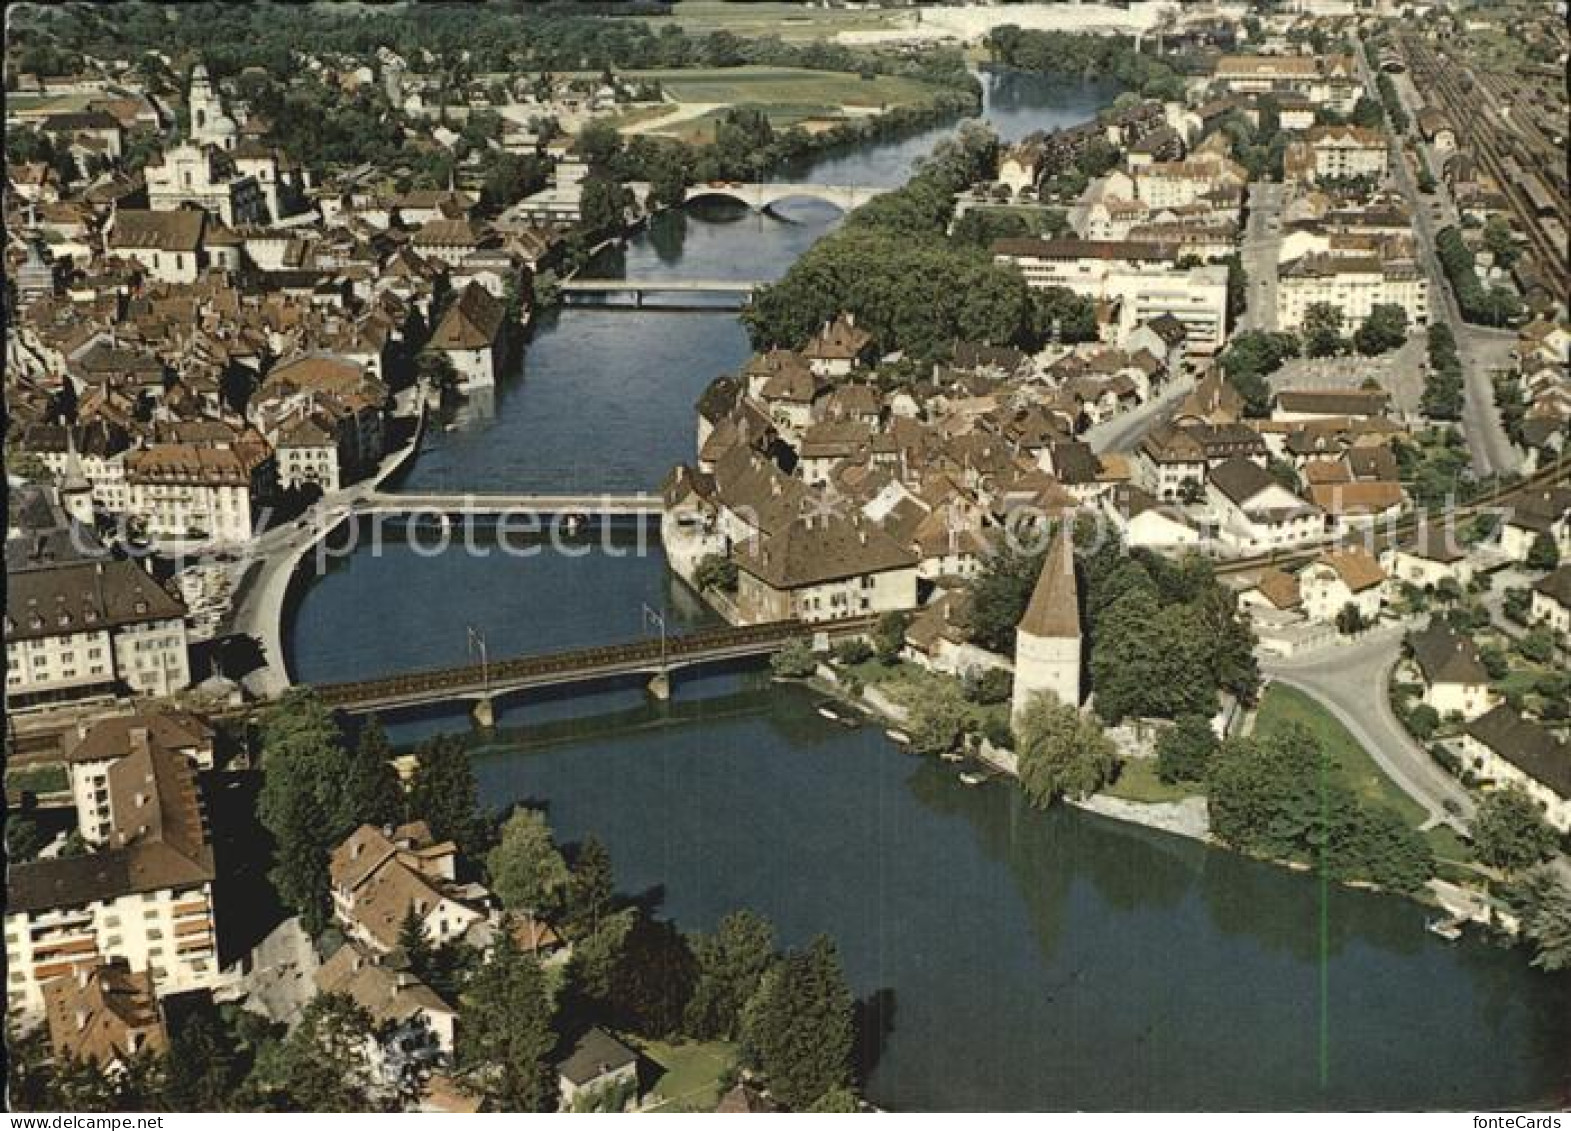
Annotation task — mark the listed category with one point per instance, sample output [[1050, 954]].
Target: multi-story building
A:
[[1330, 81], [203, 493], [97, 748], [1144, 279], [1345, 152], [1355, 285], [91, 628], [168, 244], [380, 876], [209, 178], [145, 897]]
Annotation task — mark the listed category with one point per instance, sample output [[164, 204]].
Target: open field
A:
[[786, 86], [1138, 781], [788, 21]]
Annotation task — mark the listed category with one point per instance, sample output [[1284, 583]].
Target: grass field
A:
[[692, 1072], [700, 130], [1137, 781], [786, 86], [1282, 705], [788, 21]]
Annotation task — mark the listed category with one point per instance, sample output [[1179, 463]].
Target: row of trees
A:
[[1444, 395], [1086, 56], [1382, 330], [1250, 358], [1489, 306]]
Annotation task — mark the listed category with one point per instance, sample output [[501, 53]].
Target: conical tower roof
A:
[[1055, 602]]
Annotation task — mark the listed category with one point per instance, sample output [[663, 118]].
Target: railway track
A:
[[1548, 477], [1489, 136]]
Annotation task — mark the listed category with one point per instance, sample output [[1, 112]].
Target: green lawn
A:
[[788, 21], [1137, 781], [37, 779], [1282, 705], [787, 87], [691, 1077], [700, 130]]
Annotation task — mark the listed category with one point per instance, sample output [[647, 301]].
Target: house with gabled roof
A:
[[1504, 748], [1453, 675], [471, 335]]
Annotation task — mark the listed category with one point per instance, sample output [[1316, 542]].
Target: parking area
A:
[[1401, 373]]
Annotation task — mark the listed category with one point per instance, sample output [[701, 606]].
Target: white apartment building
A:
[[145, 897], [190, 492], [1353, 284], [1341, 152], [1144, 279]]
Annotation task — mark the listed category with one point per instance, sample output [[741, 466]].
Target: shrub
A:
[[794, 661], [851, 651], [991, 685]]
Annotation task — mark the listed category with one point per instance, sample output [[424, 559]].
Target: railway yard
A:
[[1507, 109]]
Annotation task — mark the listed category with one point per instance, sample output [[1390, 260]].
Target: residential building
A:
[[168, 244], [380, 876], [1428, 557], [471, 335], [1341, 579], [1504, 748], [1355, 285], [1534, 515], [599, 1069], [145, 897], [91, 628], [823, 567], [1346, 152], [415, 1027], [1455, 682], [104, 1013], [1255, 512], [96, 748], [199, 492], [1551, 601]]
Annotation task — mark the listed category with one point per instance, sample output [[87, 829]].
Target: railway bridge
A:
[[655, 657]]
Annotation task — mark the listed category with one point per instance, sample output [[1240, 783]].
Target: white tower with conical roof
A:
[[1048, 639]]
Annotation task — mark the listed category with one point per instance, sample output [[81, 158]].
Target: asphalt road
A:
[[1481, 349], [1353, 680], [1261, 246]]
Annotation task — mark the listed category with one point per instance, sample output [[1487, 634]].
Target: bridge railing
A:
[[501, 675]]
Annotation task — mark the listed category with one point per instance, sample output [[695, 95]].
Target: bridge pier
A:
[[484, 712], [660, 686]]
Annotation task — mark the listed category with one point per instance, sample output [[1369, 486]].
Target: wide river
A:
[[1017, 959]]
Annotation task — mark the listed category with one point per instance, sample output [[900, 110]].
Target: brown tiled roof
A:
[[1027, 247], [1526, 745], [103, 1014], [1279, 587], [86, 596], [813, 550], [1557, 586], [473, 322], [1054, 610], [111, 738], [1355, 566], [1335, 402], [1445, 657], [179, 230], [1356, 498]]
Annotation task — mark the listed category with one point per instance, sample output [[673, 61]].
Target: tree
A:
[[322, 1064], [1423, 721], [715, 571], [731, 965], [837, 1101], [504, 1031], [413, 940], [372, 790], [1384, 329], [1249, 358], [1061, 752], [442, 792], [936, 716], [23, 838], [795, 660], [527, 872], [797, 1028], [1322, 329], [1184, 750], [1543, 906], [999, 595], [604, 204], [653, 978], [890, 635], [302, 802], [1500, 240], [591, 885], [1509, 830], [1058, 313], [1543, 553]]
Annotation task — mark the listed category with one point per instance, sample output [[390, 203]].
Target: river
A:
[[1020, 959]]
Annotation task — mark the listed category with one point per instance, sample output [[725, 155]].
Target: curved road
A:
[[1352, 680]]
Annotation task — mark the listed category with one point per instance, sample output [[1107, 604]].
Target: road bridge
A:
[[740, 291], [655, 657], [761, 197]]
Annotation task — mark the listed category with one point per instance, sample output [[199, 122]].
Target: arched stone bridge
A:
[[758, 197]]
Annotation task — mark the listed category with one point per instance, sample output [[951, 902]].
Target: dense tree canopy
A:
[[797, 1029]]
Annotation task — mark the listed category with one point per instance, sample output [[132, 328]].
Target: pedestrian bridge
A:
[[760, 197], [601, 504]]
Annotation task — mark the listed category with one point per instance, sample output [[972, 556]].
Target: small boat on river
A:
[[1448, 929], [973, 777], [828, 712], [899, 736]]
